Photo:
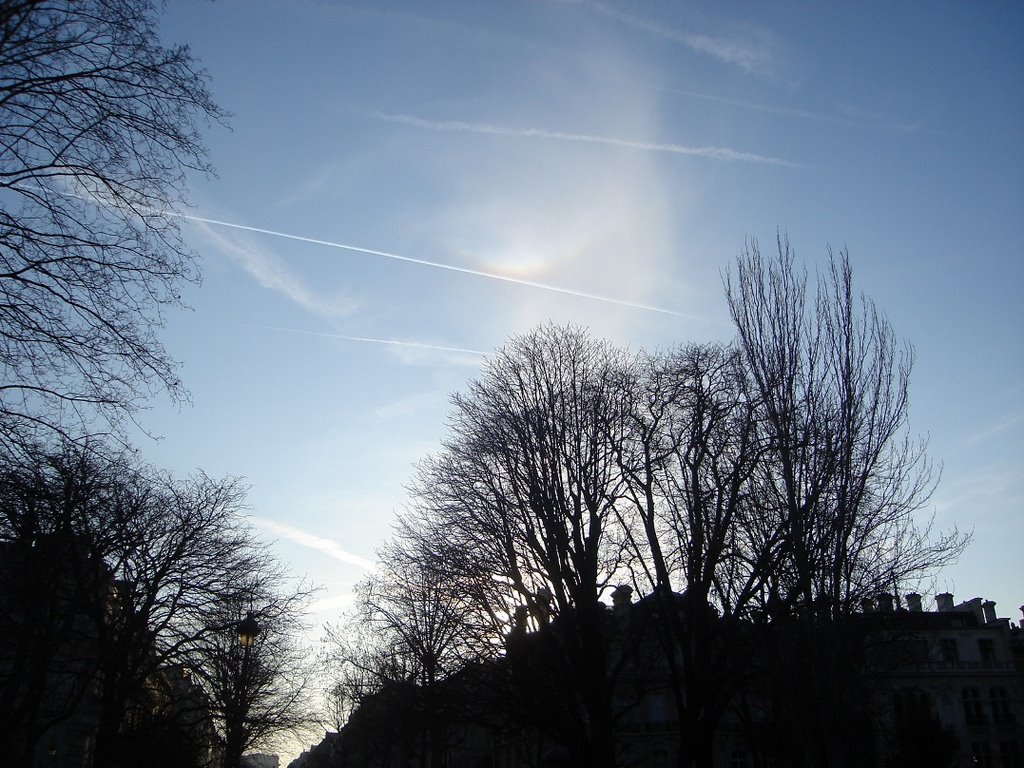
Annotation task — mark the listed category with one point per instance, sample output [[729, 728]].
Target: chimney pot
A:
[[989, 609], [944, 601], [913, 602], [622, 597], [885, 603]]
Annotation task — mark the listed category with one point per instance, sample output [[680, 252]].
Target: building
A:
[[961, 666], [915, 687]]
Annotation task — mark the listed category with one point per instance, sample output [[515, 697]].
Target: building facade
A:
[[942, 687]]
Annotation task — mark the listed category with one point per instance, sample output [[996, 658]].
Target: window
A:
[[910, 706], [1000, 701], [1009, 753], [987, 649], [973, 713], [949, 650], [658, 708], [739, 759]]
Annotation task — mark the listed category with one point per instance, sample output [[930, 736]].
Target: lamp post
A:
[[248, 629]]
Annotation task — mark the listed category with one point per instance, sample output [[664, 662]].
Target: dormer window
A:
[[949, 650], [987, 649]]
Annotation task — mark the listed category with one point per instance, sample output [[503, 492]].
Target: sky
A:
[[405, 185]]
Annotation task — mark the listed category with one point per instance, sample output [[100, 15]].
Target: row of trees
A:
[[766, 479], [114, 575], [769, 483], [122, 591]]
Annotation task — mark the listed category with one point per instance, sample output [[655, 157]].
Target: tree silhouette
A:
[[754, 493], [98, 126], [520, 502], [423, 632], [838, 477], [138, 562], [694, 530], [259, 692]]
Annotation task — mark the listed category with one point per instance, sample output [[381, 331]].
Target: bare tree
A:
[[425, 630], [522, 498], [262, 689], [839, 477], [418, 612], [840, 470], [98, 126], [357, 666], [693, 524], [175, 549], [372, 684], [142, 562]]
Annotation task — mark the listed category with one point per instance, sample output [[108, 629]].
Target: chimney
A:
[[974, 606], [885, 603], [867, 606], [989, 609], [913, 602], [944, 602], [622, 598]]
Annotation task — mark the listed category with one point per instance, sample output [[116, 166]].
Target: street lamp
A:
[[248, 628]]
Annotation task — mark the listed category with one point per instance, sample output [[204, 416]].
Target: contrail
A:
[[748, 58], [411, 260], [394, 342], [329, 547], [713, 153], [436, 265]]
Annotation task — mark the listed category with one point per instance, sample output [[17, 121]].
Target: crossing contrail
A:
[[712, 153], [436, 265], [371, 340], [411, 260]]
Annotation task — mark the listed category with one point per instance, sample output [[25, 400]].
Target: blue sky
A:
[[436, 165]]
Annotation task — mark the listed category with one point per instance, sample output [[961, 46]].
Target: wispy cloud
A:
[[333, 603], [437, 265], [754, 58], [1000, 427], [408, 406], [270, 272], [303, 538], [711, 153], [770, 109], [387, 342], [751, 59]]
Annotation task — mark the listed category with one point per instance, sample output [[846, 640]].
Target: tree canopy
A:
[[742, 488], [114, 575], [99, 123]]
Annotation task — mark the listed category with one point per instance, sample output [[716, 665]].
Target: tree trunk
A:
[[108, 729]]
